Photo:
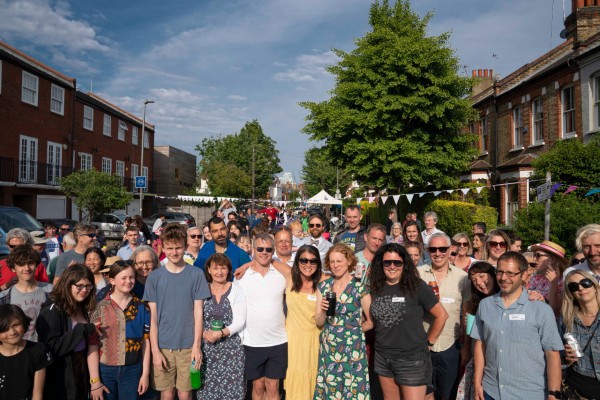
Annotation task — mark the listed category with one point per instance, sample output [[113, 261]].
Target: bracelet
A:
[[430, 344], [222, 334], [99, 387]]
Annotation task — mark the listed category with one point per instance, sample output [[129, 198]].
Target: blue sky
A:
[[210, 66]]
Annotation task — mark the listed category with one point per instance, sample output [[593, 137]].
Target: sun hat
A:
[[109, 262], [550, 247], [39, 237]]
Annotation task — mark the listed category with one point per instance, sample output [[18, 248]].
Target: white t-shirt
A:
[[265, 321], [52, 248]]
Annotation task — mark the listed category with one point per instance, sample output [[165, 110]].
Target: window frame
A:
[[565, 113], [107, 165], [86, 161], [537, 124], [122, 129], [120, 169], [596, 101], [518, 127], [135, 136], [28, 164], [146, 139], [107, 125], [55, 89], [483, 123], [89, 118], [34, 92], [54, 162]]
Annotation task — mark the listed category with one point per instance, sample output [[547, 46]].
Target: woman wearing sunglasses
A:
[[400, 302], [550, 261], [64, 325], [496, 244], [580, 317], [462, 260]]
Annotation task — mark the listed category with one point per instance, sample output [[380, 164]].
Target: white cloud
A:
[[309, 67]]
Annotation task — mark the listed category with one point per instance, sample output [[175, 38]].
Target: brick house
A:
[[49, 129], [555, 97]]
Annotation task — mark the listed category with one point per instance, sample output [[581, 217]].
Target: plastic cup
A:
[[470, 322]]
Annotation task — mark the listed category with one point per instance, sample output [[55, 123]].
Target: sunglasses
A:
[[196, 236], [83, 287], [314, 225], [496, 244], [454, 254], [311, 261], [389, 263], [532, 265], [576, 261], [434, 250], [463, 244], [90, 235], [585, 283], [65, 229], [537, 256], [267, 249]]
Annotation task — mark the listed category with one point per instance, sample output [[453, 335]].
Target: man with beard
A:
[[221, 244], [316, 226]]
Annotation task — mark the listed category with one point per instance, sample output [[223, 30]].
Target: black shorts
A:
[[409, 370], [270, 362]]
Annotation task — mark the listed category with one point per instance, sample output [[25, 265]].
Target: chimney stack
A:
[[583, 22]]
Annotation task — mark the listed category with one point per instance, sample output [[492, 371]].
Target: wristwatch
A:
[[556, 393], [94, 380]]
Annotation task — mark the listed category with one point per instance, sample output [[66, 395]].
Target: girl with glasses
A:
[[580, 317], [400, 302], [64, 325]]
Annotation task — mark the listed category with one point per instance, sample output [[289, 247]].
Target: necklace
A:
[[586, 315]]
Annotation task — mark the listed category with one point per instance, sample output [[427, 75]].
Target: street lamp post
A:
[[141, 171]]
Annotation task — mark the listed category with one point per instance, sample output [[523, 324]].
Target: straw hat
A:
[[550, 247], [109, 262], [39, 237]]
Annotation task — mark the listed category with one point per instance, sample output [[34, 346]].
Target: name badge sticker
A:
[[311, 297], [447, 300], [516, 317], [397, 299]]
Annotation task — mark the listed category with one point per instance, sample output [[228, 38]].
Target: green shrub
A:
[[458, 216], [567, 214]]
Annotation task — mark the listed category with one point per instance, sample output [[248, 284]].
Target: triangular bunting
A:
[[570, 189], [371, 199], [479, 189], [383, 199], [396, 197], [450, 191], [554, 188], [465, 190], [409, 197], [436, 193], [591, 192], [358, 200]]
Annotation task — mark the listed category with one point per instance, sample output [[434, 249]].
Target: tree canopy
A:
[[395, 114], [95, 191], [227, 162], [318, 173]]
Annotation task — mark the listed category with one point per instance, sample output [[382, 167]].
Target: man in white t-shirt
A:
[[52, 245], [264, 336]]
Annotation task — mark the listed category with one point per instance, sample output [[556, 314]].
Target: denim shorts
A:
[[408, 370]]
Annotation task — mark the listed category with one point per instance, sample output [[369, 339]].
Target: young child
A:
[[27, 293], [175, 294], [22, 363], [123, 363], [297, 235]]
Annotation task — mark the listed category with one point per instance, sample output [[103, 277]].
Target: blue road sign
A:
[[140, 182]]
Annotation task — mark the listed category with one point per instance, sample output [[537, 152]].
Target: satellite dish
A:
[[563, 33]]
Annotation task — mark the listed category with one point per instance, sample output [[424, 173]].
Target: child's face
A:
[[174, 251], [245, 245], [26, 272], [124, 281], [81, 290], [14, 334], [297, 232]]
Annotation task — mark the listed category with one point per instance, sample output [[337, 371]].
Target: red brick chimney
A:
[[584, 20]]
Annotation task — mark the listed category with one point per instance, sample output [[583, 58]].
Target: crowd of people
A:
[[276, 307]]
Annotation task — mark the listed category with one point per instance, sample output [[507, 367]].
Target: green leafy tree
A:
[[398, 106], [234, 153], [571, 162], [95, 191], [318, 173]]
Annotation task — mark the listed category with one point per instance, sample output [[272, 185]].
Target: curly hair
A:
[[61, 294], [23, 255], [409, 279], [297, 275], [346, 251]]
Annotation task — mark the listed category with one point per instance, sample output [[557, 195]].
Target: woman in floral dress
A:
[[343, 368]]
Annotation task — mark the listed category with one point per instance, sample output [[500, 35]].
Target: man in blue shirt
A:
[[517, 344], [220, 243]]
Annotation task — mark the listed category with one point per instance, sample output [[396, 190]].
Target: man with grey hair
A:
[[85, 237], [454, 291], [264, 335], [588, 242], [430, 220], [14, 238]]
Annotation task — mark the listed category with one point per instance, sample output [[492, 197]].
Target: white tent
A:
[[323, 198]]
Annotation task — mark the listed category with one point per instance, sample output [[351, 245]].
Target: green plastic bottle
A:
[[195, 376]]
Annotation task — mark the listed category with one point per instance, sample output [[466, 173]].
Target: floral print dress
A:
[[343, 368]]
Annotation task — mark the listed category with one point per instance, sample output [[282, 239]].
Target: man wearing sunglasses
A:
[[316, 226], [517, 342], [85, 236], [264, 335], [588, 242], [221, 244], [451, 350]]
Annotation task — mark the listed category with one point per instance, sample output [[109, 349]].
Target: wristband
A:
[[429, 344], [94, 380]]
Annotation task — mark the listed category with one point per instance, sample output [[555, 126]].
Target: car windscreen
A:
[[10, 219]]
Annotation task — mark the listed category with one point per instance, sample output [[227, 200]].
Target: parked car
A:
[[14, 217], [111, 225], [182, 218], [59, 221]]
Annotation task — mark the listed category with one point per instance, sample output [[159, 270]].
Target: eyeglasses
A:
[[537, 256], [196, 236], [434, 250], [141, 264], [83, 287], [314, 225], [496, 244], [389, 263], [267, 249], [510, 274], [585, 283], [65, 229], [311, 261], [454, 254], [532, 265], [90, 235], [463, 244], [576, 261]]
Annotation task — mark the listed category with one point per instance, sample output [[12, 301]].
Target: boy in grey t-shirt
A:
[[27, 293], [175, 293]]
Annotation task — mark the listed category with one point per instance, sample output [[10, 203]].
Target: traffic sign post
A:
[[544, 191]]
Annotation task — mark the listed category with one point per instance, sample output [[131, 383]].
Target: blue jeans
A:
[[487, 396], [122, 381]]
